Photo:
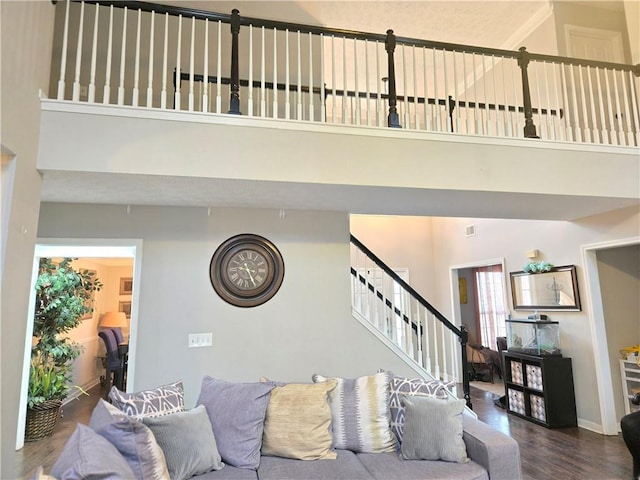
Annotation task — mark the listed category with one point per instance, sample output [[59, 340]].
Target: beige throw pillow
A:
[[298, 422]]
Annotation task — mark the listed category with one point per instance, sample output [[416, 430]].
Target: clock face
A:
[[246, 270]]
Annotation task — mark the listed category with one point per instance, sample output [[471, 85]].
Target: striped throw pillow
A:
[[360, 413]]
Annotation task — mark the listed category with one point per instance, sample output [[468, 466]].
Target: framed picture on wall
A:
[[125, 307], [126, 286], [462, 288], [553, 290]]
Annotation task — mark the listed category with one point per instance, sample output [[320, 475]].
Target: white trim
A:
[[75, 393], [80, 247], [595, 312], [587, 425], [26, 364], [66, 106], [7, 178], [453, 274], [608, 35], [402, 355]]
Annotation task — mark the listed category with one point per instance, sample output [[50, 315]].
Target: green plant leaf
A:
[[61, 300]]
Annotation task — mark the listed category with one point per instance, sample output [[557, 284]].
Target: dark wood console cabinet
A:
[[540, 389]]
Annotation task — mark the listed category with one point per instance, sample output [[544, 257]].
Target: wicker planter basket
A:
[[41, 420]]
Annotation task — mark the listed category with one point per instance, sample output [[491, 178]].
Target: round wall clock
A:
[[246, 270]]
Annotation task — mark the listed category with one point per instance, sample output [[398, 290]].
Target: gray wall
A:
[[306, 328], [25, 70]]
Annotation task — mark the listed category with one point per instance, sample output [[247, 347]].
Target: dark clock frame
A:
[[224, 285]]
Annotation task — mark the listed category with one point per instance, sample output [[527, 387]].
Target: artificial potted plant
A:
[[63, 297]]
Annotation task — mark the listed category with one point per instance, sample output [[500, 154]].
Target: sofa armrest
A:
[[498, 453]]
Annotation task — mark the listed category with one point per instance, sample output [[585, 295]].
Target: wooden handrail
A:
[[456, 331], [579, 126], [461, 332], [316, 29]]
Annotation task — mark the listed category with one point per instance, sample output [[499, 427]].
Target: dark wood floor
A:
[[563, 454]]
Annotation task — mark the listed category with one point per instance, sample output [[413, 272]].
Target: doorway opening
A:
[[480, 300], [117, 261], [610, 269]]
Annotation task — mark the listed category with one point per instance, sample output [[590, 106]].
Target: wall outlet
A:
[[200, 340], [83, 91]]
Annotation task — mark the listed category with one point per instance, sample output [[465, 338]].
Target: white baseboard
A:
[[588, 425], [76, 392]]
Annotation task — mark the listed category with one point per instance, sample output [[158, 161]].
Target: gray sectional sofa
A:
[[493, 455], [373, 427]]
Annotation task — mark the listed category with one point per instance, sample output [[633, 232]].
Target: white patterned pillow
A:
[[399, 386], [150, 403], [360, 413]]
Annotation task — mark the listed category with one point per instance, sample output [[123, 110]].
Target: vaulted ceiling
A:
[[487, 23]]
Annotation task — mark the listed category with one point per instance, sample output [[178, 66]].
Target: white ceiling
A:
[[458, 21], [156, 190], [486, 23]]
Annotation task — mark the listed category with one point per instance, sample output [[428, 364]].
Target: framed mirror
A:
[[553, 290]]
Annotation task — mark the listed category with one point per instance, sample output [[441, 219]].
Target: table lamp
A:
[[113, 319]]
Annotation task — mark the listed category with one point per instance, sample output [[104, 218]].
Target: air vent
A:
[[470, 230]]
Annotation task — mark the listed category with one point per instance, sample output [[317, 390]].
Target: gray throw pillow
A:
[[237, 412], [87, 455], [134, 440], [187, 440], [399, 386], [433, 429]]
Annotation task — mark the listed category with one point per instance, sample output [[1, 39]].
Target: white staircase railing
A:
[[153, 56], [405, 321]]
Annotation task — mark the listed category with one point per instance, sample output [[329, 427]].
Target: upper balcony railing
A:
[[156, 56]]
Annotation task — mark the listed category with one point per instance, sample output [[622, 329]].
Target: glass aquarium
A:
[[534, 337]]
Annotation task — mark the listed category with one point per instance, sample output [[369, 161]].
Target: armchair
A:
[[630, 426], [115, 361]]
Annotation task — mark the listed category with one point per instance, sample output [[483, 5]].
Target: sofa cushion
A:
[[236, 412], [298, 422], [229, 472], [389, 466], [345, 467], [188, 443], [433, 429], [360, 413], [399, 386], [87, 455], [134, 440], [150, 403]]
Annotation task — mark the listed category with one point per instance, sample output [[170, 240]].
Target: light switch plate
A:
[[200, 340]]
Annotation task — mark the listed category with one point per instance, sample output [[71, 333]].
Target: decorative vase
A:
[[41, 420]]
